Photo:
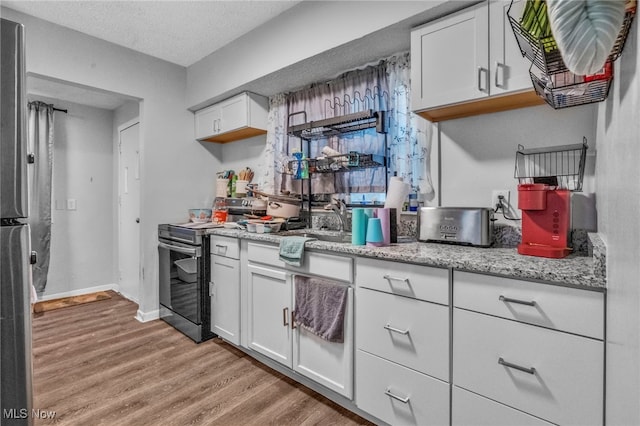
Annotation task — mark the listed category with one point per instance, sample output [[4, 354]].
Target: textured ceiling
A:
[[181, 32]]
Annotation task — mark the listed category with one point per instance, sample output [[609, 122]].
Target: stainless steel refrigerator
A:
[[16, 256]]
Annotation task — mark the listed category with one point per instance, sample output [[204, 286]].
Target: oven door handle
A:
[[188, 251]]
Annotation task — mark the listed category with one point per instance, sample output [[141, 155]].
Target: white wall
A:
[[176, 170], [618, 189], [478, 154], [82, 239], [306, 30]]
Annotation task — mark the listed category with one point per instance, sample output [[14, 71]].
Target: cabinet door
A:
[[234, 113], [269, 316], [509, 69], [327, 363], [207, 122], [449, 59], [225, 298]]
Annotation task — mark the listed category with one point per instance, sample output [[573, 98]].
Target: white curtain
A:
[[40, 142], [381, 87], [412, 135]]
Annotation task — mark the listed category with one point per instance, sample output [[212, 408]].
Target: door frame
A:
[[120, 242]]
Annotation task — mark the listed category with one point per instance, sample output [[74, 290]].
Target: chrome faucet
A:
[[340, 209]]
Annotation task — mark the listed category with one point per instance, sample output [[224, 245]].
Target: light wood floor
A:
[[94, 364]]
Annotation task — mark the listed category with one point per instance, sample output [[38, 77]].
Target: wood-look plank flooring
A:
[[94, 364]]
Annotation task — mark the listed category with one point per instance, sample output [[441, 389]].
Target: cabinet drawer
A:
[[471, 409], [404, 279], [406, 331], [315, 263], [225, 246], [566, 385], [425, 399], [562, 308]]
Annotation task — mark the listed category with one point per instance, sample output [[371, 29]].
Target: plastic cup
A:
[[374, 232]]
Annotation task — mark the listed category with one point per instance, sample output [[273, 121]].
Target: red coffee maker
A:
[[547, 178], [546, 220]]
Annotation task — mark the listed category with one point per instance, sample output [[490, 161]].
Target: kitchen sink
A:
[[330, 236]]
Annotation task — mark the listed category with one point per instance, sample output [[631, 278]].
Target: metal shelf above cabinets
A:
[[339, 125]]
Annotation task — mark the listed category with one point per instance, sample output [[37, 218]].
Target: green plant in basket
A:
[[535, 22]]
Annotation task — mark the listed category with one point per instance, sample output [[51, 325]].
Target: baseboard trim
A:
[[79, 292], [147, 316]]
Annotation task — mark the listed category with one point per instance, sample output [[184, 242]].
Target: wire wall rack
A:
[[561, 166], [550, 77]]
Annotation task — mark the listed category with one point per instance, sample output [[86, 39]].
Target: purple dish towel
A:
[[320, 307]]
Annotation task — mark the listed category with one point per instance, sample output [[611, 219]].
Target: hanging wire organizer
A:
[[561, 166], [551, 79], [344, 115]]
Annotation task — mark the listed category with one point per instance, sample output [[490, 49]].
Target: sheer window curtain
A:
[[409, 139], [40, 142]]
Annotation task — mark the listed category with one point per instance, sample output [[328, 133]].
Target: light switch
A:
[[71, 204]]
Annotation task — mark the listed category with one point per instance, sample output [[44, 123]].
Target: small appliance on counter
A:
[[237, 208], [547, 177], [456, 225]]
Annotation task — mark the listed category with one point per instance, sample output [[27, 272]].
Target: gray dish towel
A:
[[292, 249], [320, 307]]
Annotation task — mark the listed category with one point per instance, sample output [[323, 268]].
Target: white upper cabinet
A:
[[466, 57], [240, 117]]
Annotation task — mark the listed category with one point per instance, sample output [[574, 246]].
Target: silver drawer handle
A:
[[396, 330], [520, 302], [404, 400], [390, 278], [530, 370]]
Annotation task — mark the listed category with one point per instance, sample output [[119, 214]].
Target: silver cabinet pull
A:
[[530, 370], [293, 320], [482, 70], [396, 330], [499, 67], [519, 302], [404, 400], [285, 316], [390, 278]]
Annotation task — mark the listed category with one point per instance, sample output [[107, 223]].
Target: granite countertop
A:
[[577, 270]]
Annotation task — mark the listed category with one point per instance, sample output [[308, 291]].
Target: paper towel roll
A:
[[396, 195], [358, 227]]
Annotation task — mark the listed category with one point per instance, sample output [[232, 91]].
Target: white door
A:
[[269, 315], [225, 298], [129, 210], [327, 363], [449, 59]]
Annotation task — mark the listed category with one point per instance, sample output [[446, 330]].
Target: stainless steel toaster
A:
[[457, 225]]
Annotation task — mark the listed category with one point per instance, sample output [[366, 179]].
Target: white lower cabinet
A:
[[402, 335], [501, 352], [269, 298], [471, 409], [271, 332], [225, 298], [398, 395], [224, 288]]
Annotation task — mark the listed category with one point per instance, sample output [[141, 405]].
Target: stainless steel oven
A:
[[183, 280]]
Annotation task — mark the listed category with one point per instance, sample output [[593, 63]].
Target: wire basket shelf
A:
[[571, 89], [561, 167], [543, 51]]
